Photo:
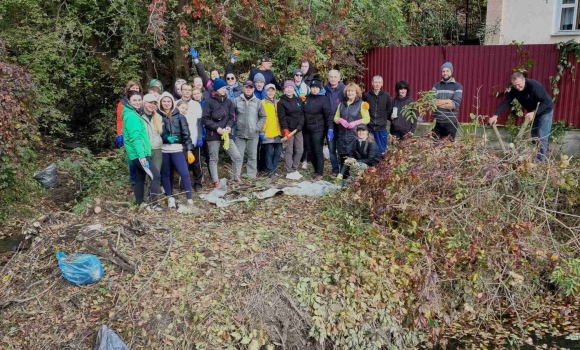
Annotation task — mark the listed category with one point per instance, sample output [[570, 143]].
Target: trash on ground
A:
[[218, 196], [107, 339], [89, 232], [80, 269], [48, 177]]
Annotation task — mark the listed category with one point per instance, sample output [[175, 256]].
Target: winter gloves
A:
[[226, 138], [193, 53], [287, 134], [330, 134], [348, 125], [199, 143], [343, 122], [171, 139], [262, 136], [119, 141]]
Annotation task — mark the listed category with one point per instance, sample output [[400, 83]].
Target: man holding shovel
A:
[[530, 93]]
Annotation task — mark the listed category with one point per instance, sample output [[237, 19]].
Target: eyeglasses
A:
[[297, 75], [231, 78]]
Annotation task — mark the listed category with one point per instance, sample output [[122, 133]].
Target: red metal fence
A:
[[487, 66]]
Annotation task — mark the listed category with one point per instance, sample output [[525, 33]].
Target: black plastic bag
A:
[[107, 339], [48, 177]]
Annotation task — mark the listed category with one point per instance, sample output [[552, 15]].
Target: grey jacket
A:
[[154, 137], [250, 116]]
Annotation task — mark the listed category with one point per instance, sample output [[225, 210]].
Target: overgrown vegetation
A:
[[566, 49]]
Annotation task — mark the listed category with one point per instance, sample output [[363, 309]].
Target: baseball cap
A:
[[270, 86], [266, 59], [361, 127], [150, 98], [248, 83]]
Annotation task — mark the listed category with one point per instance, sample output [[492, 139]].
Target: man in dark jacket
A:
[[218, 117], [264, 68], [529, 93], [380, 108], [402, 124], [363, 154], [335, 94]]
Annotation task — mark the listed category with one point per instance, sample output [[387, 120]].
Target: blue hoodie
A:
[[335, 96]]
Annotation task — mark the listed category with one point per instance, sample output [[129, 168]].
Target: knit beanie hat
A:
[[316, 81], [447, 65], [289, 83], [259, 77], [154, 81], [218, 84]]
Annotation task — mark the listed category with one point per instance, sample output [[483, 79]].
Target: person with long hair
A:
[[176, 138], [131, 85], [350, 113], [154, 125], [138, 149]]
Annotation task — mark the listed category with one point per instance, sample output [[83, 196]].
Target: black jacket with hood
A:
[[380, 109], [218, 112], [366, 152], [175, 125]]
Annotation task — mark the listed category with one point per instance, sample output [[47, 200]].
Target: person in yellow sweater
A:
[[350, 113], [271, 134]]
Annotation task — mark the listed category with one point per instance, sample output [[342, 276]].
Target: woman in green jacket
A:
[[139, 150]]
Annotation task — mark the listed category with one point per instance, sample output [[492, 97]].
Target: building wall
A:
[[530, 21]]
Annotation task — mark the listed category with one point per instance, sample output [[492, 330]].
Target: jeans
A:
[[382, 139], [214, 152], [541, 128], [293, 153], [251, 145], [178, 161], [273, 151], [315, 144], [132, 173], [333, 155], [140, 175]]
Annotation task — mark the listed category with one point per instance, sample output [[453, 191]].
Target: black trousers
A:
[[139, 187], [314, 143], [195, 168], [443, 130], [205, 153]]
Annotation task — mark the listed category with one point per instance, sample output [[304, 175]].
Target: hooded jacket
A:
[[233, 91], [174, 125], [317, 114], [218, 112], [120, 106], [250, 116], [154, 136], [290, 113], [136, 142], [335, 95], [309, 76], [401, 125], [380, 109]]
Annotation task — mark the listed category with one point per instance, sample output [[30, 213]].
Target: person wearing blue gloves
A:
[[214, 74], [251, 117], [317, 119]]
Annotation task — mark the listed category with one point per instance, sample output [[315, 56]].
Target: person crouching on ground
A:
[[176, 138], [363, 153], [218, 117], [138, 150]]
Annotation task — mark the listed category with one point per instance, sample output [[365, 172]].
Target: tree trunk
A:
[[180, 68]]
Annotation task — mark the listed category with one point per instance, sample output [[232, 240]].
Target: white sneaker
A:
[[190, 202], [294, 176], [304, 165], [171, 202]]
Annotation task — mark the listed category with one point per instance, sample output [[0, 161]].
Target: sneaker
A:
[[156, 207], [171, 202], [304, 165], [318, 178], [143, 206], [272, 175], [339, 177], [197, 188], [190, 202], [294, 176]]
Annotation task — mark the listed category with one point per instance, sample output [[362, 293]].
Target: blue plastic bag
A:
[[80, 269]]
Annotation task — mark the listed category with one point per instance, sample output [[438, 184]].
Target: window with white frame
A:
[[567, 15]]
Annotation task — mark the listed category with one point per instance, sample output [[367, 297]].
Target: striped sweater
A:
[[448, 90]]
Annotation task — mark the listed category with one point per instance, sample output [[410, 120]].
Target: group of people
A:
[[164, 132]]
